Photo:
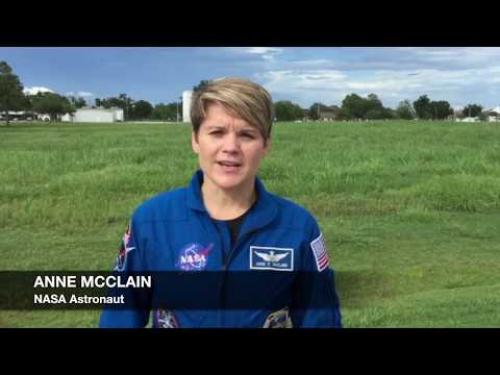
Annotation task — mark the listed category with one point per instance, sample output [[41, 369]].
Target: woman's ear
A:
[[194, 143], [267, 147]]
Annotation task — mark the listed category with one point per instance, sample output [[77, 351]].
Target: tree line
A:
[[12, 98], [142, 109], [353, 106]]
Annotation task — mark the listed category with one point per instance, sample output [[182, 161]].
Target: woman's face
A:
[[229, 149]]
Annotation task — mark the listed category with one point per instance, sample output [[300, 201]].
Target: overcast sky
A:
[[303, 75]]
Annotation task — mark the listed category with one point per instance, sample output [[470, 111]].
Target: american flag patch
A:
[[320, 252]]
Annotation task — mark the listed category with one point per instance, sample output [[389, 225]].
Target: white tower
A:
[[186, 105]]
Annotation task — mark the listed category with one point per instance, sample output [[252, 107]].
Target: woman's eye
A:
[[248, 135]]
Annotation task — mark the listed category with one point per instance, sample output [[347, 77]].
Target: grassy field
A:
[[410, 210]]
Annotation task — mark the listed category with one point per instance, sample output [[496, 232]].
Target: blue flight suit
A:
[[276, 274]]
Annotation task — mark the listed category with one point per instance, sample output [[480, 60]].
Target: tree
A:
[[165, 112], [126, 104], [51, 104], [373, 103], [314, 110], [354, 107], [123, 101], [379, 114], [78, 102], [200, 85], [287, 111], [375, 110], [440, 110], [405, 110], [114, 102], [423, 107], [11, 91], [141, 110], [472, 110], [483, 116]]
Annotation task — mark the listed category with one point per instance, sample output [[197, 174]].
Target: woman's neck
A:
[[227, 204]]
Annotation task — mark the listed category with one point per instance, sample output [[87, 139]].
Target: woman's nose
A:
[[231, 143]]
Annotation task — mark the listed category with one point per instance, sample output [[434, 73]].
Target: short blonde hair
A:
[[248, 100]]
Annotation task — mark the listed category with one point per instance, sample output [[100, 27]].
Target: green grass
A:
[[410, 210]]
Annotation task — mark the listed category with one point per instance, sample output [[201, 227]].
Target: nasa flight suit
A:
[[276, 274]]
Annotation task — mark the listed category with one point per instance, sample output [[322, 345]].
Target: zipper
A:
[[225, 264], [233, 248], [226, 258]]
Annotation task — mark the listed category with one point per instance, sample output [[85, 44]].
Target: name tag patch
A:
[[271, 258]]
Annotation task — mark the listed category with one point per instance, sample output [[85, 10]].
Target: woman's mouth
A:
[[229, 166]]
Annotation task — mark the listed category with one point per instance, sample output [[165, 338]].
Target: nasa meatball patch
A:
[[194, 257]]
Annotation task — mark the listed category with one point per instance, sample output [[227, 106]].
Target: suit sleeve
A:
[[316, 303], [129, 261]]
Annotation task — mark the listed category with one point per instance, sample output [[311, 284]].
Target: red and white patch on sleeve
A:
[[125, 248], [320, 252]]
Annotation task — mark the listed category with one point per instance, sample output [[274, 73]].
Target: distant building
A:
[[477, 119], [468, 119], [328, 115], [322, 113], [493, 114], [43, 117], [489, 115], [186, 105], [494, 109], [113, 114], [18, 116]]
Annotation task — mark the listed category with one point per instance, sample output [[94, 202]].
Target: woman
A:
[[269, 262]]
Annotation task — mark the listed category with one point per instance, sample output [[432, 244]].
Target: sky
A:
[[304, 75]]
